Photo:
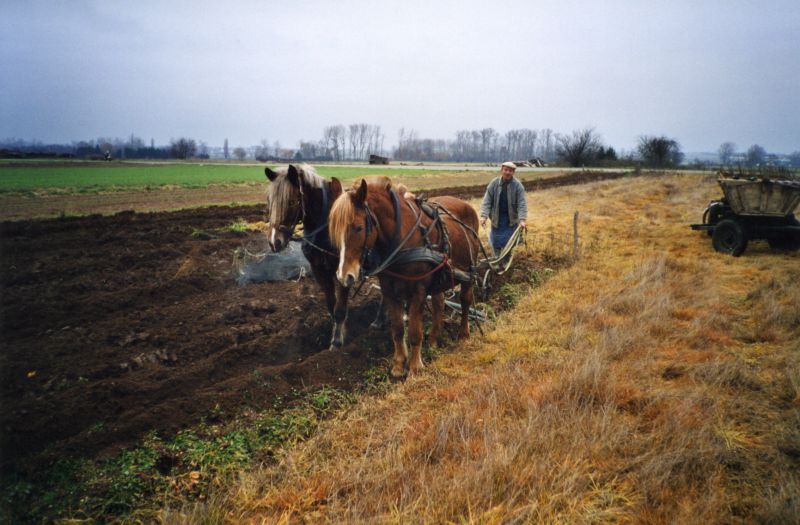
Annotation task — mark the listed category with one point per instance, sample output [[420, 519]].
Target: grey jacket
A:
[[517, 207]]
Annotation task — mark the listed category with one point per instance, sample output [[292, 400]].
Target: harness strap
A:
[[390, 259], [436, 268], [398, 219]]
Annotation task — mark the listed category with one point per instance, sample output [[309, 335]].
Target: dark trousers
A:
[[500, 234]]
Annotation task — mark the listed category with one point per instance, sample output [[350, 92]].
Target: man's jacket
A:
[[517, 207]]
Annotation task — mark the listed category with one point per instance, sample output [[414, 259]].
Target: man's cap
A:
[[509, 165]]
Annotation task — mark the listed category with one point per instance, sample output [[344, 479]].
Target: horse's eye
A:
[[358, 229]]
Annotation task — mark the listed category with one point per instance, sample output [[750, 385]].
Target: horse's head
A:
[[284, 204], [353, 230]]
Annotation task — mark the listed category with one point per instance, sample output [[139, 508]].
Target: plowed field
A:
[[113, 326]]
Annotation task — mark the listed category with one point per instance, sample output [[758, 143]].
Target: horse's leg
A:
[[437, 317], [415, 308], [339, 315], [395, 310], [380, 318], [327, 284], [466, 302]]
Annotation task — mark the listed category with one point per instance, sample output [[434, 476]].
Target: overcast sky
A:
[[702, 72]]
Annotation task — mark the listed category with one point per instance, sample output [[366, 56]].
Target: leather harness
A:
[[435, 254]]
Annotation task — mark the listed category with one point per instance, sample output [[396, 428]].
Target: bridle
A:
[[371, 223]]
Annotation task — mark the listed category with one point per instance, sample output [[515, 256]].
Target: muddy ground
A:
[[116, 325], [113, 326]]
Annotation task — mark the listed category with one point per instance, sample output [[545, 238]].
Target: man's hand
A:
[[483, 221], [522, 224]]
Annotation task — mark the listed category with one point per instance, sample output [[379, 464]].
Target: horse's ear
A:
[[361, 193], [336, 188], [388, 186], [295, 175], [270, 174]]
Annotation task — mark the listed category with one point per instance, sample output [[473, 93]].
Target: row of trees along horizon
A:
[[356, 142]]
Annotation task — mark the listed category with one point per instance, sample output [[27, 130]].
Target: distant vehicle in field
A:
[[377, 159], [754, 207]]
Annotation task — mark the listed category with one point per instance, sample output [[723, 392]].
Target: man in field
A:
[[504, 203]]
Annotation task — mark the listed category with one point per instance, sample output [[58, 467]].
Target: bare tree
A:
[[364, 136], [225, 151], [182, 148], [461, 146], [202, 150], [239, 152], [334, 137], [660, 151], [756, 155], [342, 137], [578, 149], [352, 139], [408, 145], [528, 139], [311, 150], [376, 141], [488, 139], [726, 152], [262, 150], [547, 145]]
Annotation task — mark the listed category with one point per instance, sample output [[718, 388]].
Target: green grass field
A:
[[81, 178]]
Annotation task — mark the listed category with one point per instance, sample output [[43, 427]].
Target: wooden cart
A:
[[753, 208]]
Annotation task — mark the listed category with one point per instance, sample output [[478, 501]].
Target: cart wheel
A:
[[729, 238], [713, 214]]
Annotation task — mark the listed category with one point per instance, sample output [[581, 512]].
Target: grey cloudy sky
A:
[[700, 71]]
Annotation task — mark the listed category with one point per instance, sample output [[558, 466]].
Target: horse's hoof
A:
[[415, 370], [463, 336], [376, 325], [335, 345], [398, 373]]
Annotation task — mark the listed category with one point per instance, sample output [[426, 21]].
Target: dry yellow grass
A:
[[653, 381]]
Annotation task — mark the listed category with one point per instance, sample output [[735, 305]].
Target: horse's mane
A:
[[342, 214], [282, 193]]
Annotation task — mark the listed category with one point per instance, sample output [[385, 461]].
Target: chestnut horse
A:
[[378, 232], [298, 194]]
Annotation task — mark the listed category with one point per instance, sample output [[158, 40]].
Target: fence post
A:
[[575, 236]]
